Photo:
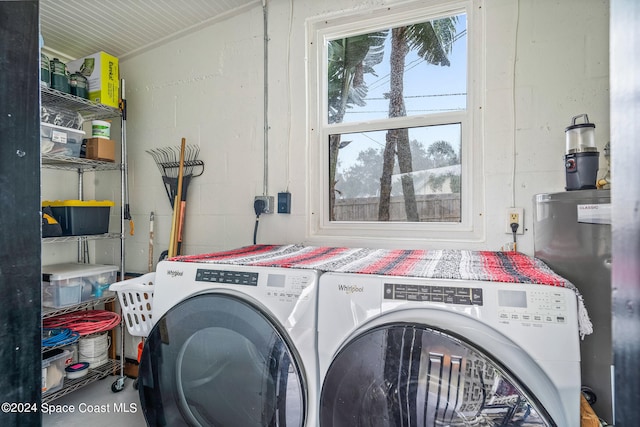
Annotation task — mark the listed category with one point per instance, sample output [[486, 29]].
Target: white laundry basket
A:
[[136, 302]]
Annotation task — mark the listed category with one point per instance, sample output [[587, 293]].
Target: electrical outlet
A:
[[514, 215], [268, 203]]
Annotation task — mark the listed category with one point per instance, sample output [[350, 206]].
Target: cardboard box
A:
[[102, 72], [101, 149]]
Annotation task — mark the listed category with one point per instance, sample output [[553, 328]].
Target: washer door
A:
[[217, 360], [412, 375]]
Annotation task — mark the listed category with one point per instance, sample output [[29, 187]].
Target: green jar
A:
[[45, 73], [79, 85], [59, 75]]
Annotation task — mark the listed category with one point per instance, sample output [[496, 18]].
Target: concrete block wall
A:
[[207, 87]]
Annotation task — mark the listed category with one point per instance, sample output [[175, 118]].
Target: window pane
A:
[[402, 71], [420, 182]]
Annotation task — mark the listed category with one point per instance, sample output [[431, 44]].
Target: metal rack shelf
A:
[[50, 312], [112, 367], [62, 239], [55, 161], [54, 99], [89, 110]]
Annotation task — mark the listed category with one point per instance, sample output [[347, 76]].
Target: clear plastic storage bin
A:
[[53, 364], [60, 140], [72, 283]]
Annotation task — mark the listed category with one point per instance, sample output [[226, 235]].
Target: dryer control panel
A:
[[535, 306], [428, 293]]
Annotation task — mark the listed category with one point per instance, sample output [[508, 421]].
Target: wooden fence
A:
[[431, 208]]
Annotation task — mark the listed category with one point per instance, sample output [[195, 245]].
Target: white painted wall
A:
[[207, 87]]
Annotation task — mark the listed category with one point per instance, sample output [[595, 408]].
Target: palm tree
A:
[[433, 41]]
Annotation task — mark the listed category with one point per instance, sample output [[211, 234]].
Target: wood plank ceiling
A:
[[75, 28]]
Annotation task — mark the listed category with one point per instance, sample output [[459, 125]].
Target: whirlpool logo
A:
[[350, 289], [174, 273]]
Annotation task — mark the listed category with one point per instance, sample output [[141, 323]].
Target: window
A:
[[393, 124]]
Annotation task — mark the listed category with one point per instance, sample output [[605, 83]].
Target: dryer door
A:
[[413, 375], [216, 360]]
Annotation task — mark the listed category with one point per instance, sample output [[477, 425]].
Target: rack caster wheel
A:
[[589, 395], [118, 385], [135, 384]]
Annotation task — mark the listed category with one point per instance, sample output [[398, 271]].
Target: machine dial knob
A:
[[570, 164]]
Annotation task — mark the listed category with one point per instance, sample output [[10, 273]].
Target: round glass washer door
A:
[[412, 375], [217, 360]]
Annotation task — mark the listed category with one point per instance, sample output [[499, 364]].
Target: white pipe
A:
[[265, 190]]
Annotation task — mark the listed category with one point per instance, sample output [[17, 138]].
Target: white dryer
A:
[[231, 346], [400, 351]]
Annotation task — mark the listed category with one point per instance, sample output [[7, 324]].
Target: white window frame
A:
[[320, 230]]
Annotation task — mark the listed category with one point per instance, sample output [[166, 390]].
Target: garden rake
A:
[[169, 161]]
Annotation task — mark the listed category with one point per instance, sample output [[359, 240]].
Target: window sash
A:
[[471, 226], [358, 198]]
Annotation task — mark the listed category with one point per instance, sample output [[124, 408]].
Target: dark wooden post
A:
[[20, 244]]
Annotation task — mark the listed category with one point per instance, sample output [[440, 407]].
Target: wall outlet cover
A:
[[268, 203], [514, 215]]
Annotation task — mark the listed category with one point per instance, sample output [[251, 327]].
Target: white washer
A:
[[399, 351], [231, 345]]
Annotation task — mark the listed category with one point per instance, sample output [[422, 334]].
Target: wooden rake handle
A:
[[173, 240]]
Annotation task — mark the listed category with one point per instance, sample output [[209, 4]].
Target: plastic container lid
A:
[[77, 370], [78, 203], [62, 128], [72, 270]]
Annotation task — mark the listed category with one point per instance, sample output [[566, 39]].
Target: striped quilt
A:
[[509, 267]]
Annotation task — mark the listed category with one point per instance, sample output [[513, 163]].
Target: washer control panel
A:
[[286, 287], [428, 293], [229, 277], [535, 306]]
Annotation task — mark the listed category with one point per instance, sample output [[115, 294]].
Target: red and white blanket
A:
[[509, 267]]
